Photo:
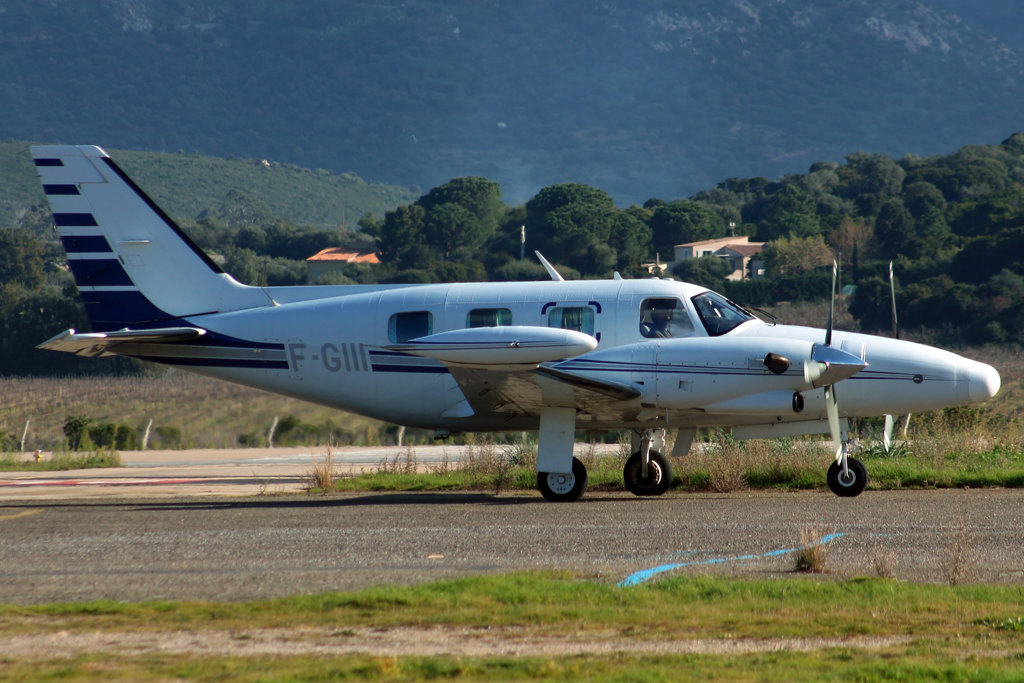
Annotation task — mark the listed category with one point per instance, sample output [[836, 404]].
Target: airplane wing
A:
[[95, 344], [499, 370], [516, 393]]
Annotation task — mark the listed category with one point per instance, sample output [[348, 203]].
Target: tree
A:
[[708, 271], [894, 230], [21, 258], [851, 242], [870, 179], [401, 237], [573, 224], [682, 221], [921, 196], [795, 255], [449, 227], [479, 196], [790, 211]]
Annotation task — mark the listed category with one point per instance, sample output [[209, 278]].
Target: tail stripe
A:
[[85, 244], [52, 190], [49, 162], [109, 309], [99, 273], [75, 220]]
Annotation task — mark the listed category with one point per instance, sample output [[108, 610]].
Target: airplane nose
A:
[[983, 382]]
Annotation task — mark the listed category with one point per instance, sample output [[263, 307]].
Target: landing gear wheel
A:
[[559, 487], [849, 484], [658, 479]]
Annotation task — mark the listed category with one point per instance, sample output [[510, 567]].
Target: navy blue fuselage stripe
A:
[[48, 162], [218, 362], [215, 339], [85, 244], [60, 189], [438, 369], [99, 273], [74, 220]]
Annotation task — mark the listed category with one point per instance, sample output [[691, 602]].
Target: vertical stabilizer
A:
[[133, 265]]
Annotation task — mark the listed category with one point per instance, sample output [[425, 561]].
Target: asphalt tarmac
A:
[[232, 525]]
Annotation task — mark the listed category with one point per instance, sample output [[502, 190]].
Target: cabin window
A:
[[489, 317], [718, 314], [411, 325], [664, 318], [579, 318]]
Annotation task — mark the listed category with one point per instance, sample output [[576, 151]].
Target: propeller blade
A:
[[832, 304], [887, 433], [892, 298], [832, 408]]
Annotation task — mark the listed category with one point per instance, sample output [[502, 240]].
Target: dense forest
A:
[[952, 225]]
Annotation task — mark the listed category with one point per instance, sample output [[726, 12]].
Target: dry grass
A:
[[885, 563], [956, 559], [727, 467], [209, 413], [402, 462], [322, 474], [812, 555]]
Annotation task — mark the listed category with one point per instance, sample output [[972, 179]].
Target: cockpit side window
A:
[[663, 318], [718, 314]]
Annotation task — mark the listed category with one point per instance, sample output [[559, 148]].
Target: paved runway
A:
[[127, 548], [216, 472]]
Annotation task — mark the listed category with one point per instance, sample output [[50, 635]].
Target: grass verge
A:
[[792, 628], [14, 462]]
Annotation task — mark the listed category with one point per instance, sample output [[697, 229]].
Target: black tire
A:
[[659, 475], [851, 486], [563, 488]]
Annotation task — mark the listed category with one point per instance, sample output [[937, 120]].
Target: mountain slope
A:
[[646, 98], [186, 184]]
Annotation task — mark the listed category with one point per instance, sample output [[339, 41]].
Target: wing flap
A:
[[96, 344]]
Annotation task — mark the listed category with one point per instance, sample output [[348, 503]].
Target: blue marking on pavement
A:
[[639, 577]]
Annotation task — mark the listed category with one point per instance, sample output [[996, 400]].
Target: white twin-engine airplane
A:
[[555, 356]]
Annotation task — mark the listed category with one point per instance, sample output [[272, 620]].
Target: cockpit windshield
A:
[[718, 314]]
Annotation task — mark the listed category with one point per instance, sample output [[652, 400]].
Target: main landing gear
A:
[[561, 487]]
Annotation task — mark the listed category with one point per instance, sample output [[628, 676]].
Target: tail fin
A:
[[133, 265]]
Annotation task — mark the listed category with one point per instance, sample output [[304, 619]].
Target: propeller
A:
[[831, 402], [890, 420]]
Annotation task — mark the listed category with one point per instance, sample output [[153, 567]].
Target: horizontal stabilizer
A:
[[93, 344], [508, 346]]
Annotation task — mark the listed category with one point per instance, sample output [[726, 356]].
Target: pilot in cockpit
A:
[[657, 319], [664, 318]]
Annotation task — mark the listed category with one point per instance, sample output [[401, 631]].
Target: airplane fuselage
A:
[[334, 351]]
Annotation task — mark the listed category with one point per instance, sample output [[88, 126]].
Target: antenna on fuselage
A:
[[548, 267]]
